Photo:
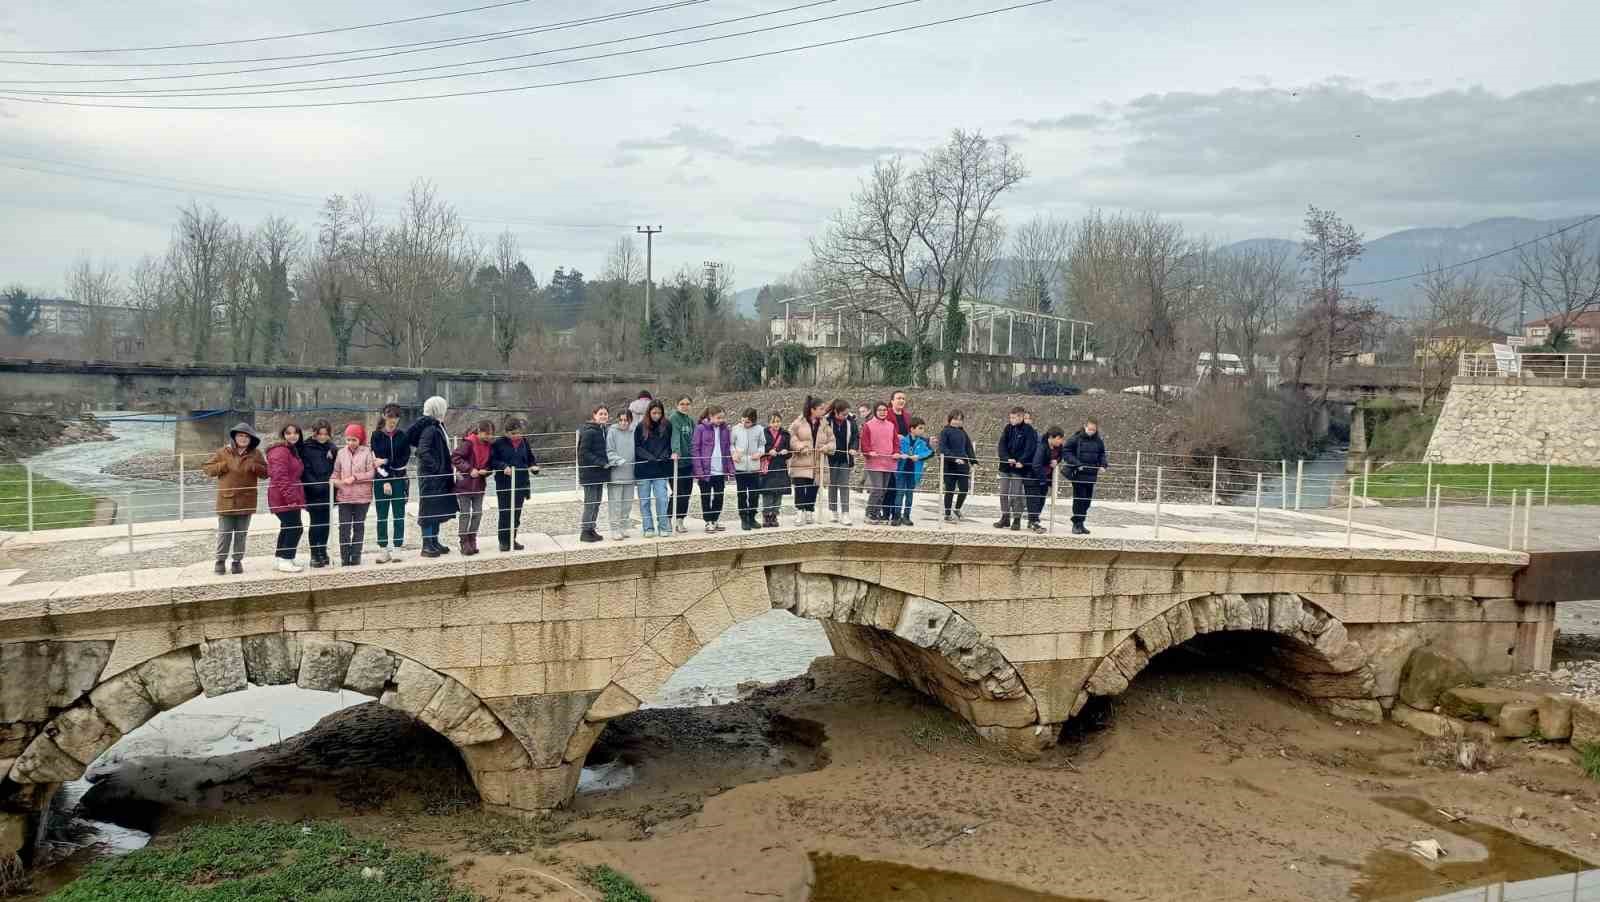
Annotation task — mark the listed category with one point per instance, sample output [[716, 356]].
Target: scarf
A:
[[480, 452]]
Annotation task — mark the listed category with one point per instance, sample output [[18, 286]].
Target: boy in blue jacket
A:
[[914, 454]]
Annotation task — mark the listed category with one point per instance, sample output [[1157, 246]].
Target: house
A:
[[1452, 342], [1583, 331]]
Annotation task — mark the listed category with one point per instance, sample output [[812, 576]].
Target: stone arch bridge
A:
[[520, 659]]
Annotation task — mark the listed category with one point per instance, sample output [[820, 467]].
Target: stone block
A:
[[1180, 623], [122, 700], [450, 705], [170, 680], [414, 686], [1472, 703], [42, 676], [523, 605], [1517, 720], [1154, 636], [746, 594], [531, 643], [221, 666], [323, 663], [530, 790], [542, 723], [1555, 716], [272, 660], [1209, 613], [1260, 610], [709, 617], [583, 737], [325, 621], [582, 601], [1428, 672], [14, 737], [668, 595], [616, 638], [370, 669], [424, 614], [1585, 722], [505, 753], [1129, 658], [1105, 679], [613, 701], [1055, 685], [1424, 722], [783, 585], [44, 762], [83, 733], [1358, 710], [676, 641], [921, 621], [1027, 648], [1284, 612], [1237, 613], [504, 679], [643, 673], [578, 675], [479, 727], [1091, 644]]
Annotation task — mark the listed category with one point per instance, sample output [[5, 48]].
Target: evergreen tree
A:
[[22, 312]]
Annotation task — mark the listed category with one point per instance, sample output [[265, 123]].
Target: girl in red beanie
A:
[[353, 472]]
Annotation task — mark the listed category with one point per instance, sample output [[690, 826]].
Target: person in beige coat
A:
[[810, 438]]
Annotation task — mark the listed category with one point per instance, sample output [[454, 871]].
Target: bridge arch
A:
[[1299, 645]]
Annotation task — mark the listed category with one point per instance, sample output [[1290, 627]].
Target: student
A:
[[639, 406], [959, 459], [810, 439], [353, 472], [1085, 457], [513, 463], [316, 456], [652, 467], [899, 413], [286, 497], [881, 447], [593, 469], [471, 460], [914, 454], [862, 415], [1018, 443], [775, 479], [436, 478], [1045, 460], [619, 482], [749, 443], [683, 427], [841, 460], [390, 444], [237, 467], [713, 464]]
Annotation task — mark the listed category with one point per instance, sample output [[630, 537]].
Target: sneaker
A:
[[383, 556], [617, 535], [717, 527], [711, 527], [648, 534], [284, 566], [1036, 527], [682, 527], [845, 520]]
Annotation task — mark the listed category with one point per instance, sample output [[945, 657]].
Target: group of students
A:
[[661, 457]]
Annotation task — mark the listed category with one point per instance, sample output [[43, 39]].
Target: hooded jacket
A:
[[1018, 443], [237, 472], [683, 427], [809, 445], [284, 466], [470, 454], [619, 452], [360, 464], [706, 437], [748, 444], [652, 450], [317, 458], [593, 468]]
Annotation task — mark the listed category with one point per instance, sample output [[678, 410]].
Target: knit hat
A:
[[355, 431]]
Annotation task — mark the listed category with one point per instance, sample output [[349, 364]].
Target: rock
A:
[[1517, 720], [480, 726], [1359, 710], [370, 669], [122, 700], [1518, 813], [221, 667], [46, 675], [1585, 722], [1427, 673], [272, 659], [169, 680], [45, 762], [1425, 722], [1555, 717], [323, 664], [83, 733], [1471, 703], [1559, 755], [414, 686]]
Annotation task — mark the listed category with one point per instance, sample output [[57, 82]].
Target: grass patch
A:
[[614, 886], [1568, 485], [56, 505], [1589, 759], [1398, 433], [266, 860]]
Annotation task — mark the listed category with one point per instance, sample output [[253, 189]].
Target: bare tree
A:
[[1254, 287], [1461, 310], [337, 292], [276, 243], [1039, 259], [1326, 253], [1562, 276], [150, 293], [418, 272], [986, 260], [96, 288], [195, 259], [624, 271], [241, 298]]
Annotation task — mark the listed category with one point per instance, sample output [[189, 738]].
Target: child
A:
[[592, 469], [713, 462], [316, 456], [471, 462], [775, 483], [1045, 461], [914, 454], [959, 459], [393, 446], [353, 472], [881, 450], [619, 481], [841, 460], [286, 497], [1017, 445], [749, 443], [811, 440], [1085, 456], [652, 442], [236, 467], [513, 463]]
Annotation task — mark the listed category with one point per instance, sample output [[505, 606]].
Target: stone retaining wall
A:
[[1518, 422]]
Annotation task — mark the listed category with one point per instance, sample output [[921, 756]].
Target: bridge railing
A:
[[1535, 365]]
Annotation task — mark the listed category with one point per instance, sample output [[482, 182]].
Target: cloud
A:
[[783, 151], [1075, 122]]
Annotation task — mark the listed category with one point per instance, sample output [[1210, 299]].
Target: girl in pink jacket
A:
[[353, 472]]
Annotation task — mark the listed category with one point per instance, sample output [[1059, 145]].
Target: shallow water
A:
[[775, 646], [845, 878], [136, 434]]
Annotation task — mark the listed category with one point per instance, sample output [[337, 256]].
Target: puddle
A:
[[1479, 860], [845, 878]]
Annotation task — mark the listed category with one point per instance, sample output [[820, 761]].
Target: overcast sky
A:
[[1231, 115]]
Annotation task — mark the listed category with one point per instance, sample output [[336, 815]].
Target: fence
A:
[[1535, 365]]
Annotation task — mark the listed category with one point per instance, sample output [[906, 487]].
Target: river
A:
[[1322, 474]]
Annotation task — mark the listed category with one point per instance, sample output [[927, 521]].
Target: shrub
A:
[[739, 366]]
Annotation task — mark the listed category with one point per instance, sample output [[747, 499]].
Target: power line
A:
[[351, 55], [275, 37], [1491, 256], [659, 70], [265, 88]]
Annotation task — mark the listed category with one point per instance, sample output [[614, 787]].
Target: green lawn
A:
[[55, 505], [266, 860], [1568, 485]]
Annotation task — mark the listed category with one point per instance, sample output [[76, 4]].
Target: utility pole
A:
[[649, 233]]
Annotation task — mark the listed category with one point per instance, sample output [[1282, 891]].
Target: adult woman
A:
[[653, 469], [513, 462], [286, 497], [436, 489], [236, 467], [713, 463], [317, 452], [810, 438]]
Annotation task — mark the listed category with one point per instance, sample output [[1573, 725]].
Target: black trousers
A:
[[320, 512], [289, 532], [711, 489], [510, 513], [682, 485], [1082, 495], [592, 493], [805, 493], [1038, 489], [748, 486], [956, 486]]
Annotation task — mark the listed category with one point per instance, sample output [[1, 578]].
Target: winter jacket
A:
[[846, 438], [394, 450], [470, 454], [809, 445], [879, 444], [592, 466], [777, 463], [1086, 456], [652, 452], [237, 472], [620, 452], [1045, 459], [1018, 443], [359, 464], [956, 446], [748, 444], [521, 460], [918, 447], [436, 478], [683, 427], [706, 437], [284, 491], [317, 458]]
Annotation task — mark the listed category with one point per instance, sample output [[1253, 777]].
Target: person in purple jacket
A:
[[713, 463]]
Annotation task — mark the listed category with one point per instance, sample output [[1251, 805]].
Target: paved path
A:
[[1558, 527]]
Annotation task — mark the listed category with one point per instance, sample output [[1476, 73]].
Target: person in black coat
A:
[[594, 469], [959, 457], [1045, 459], [1018, 444], [653, 469], [436, 479], [317, 453], [1084, 456], [391, 445], [513, 463], [775, 481]]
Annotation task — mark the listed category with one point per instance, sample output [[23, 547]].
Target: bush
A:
[[894, 359], [1052, 387], [739, 366], [1251, 422], [787, 361]]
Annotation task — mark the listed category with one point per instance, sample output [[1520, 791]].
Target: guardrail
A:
[[1574, 367]]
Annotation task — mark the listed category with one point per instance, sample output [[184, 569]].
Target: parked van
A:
[[1227, 365]]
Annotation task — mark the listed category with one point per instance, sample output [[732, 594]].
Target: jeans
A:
[[905, 484], [592, 492], [880, 492], [1013, 497], [289, 532], [655, 490], [232, 530], [319, 513], [839, 489], [470, 515], [391, 509], [749, 493], [1082, 495], [805, 493], [956, 486], [683, 484], [430, 532], [619, 498], [711, 497], [352, 530]]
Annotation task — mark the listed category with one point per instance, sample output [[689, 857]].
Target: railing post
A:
[[1349, 514], [1566, 366], [577, 485], [1511, 525], [1366, 479], [1527, 518], [1547, 483], [181, 481], [1213, 480], [1427, 487], [1159, 472], [1437, 496], [1283, 481], [1299, 481], [1488, 489], [130, 523], [1255, 531], [938, 486], [1053, 493], [29, 470], [1138, 471]]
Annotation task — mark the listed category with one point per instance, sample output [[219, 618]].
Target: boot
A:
[[469, 544], [589, 535], [430, 548], [505, 542]]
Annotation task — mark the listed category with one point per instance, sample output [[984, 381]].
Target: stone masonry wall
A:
[[1518, 423]]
